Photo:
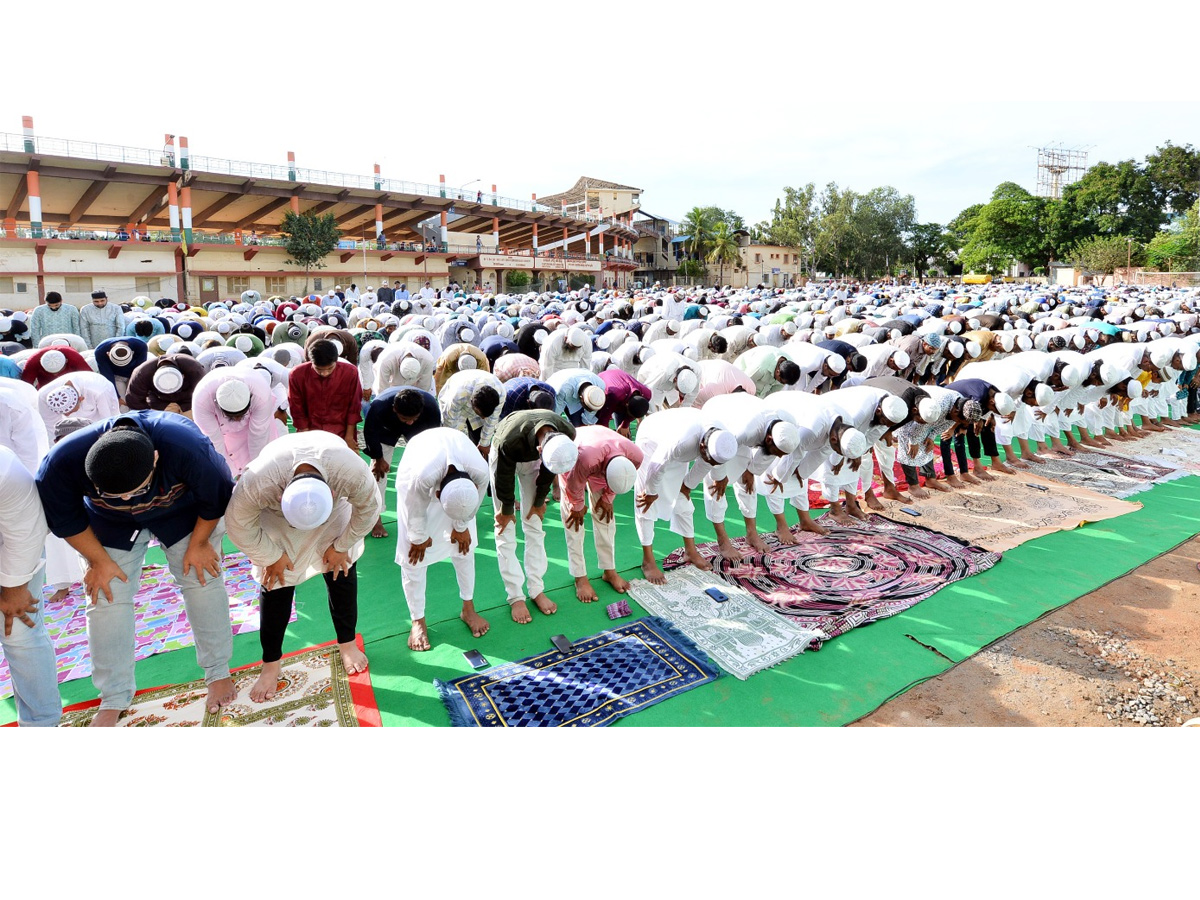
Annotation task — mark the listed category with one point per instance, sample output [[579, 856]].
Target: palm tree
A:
[[723, 248], [697, 227]]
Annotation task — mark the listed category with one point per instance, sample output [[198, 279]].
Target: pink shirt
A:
[[720, 377], [598, 446], [239, 441]]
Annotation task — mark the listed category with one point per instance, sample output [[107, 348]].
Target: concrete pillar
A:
[[445, 230], [173, 209], [35, 203], [600, 243], [535, 243], [378, 219], [185, 161], [442, 184], [291, 166], [169, 149], [496, 231], [186, 199], [378, 178], [27, 127], [495, 197]]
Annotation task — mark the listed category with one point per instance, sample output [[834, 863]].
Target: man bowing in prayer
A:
[[303, 508]]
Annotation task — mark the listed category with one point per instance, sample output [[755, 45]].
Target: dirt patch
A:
[[1126, 654]]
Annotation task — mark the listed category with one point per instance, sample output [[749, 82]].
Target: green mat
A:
[[848, 678]]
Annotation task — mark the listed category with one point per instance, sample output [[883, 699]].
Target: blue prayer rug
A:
[[603, 677]]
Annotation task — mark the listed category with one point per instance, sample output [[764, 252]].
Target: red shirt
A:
[[332, 404]]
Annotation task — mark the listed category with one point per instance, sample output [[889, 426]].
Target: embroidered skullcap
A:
[[410, 368], [721, 446], [620, 473], [972, 410], [466, 361], [687, 382], [307, 503], [62, 399], [785, 436], [592, 397], [233, 396], [559, 454], [120, 353], [460, 499], [167, 379], [933, 339], [53, 361], [119, 461]]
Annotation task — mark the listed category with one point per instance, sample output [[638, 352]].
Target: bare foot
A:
[[756, 541], [813, 526], [545, 605], [785, 534], [653, 573], [353, 659], [1001, 467], [267, 683], [842, 518], [615, 581], [891, 492], [728, 552], [984, 475], [379, 531], [584, 590], [520, 613], [919, 492], [938, 486], [60, 594], [106, 718], [698, 560], [220, 693], [478, 624], [970, 479], [418, 638], [954, 481], [857, 511], [1019, 463], [873, 501]]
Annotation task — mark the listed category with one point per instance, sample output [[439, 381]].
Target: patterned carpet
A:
[[851, 576], [1108, 473], [160, 622], [314, 691], [601, 679]]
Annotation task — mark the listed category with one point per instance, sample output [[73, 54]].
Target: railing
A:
[[16, 143]]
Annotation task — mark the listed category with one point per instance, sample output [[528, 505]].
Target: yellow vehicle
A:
[[976, 279]]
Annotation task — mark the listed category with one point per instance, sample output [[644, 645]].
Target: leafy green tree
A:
[[882, 216], [723, 248], [1170, 251], [1174, 173], [793, 221], [924, 243], [1117, 200], [697, 227], [835, 230], [728, 216], [310, 237], [1105, 253], [691, 268]]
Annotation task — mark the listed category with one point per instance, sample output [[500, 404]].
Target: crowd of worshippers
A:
[[276, 422]]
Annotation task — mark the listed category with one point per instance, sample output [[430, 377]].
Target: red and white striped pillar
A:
[[169, 149], [27, 127], [185, 161], [173, 209], [442, 184], [445, 230], [600, 243], [378, 219], [535, 246], [186, 200], [291, 166], [35, 203], [495, 197], [378, 178]]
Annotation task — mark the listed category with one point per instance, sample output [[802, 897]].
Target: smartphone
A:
[[561, 644], [1037, 487], [717, 594], [476, 659], [909, 510]]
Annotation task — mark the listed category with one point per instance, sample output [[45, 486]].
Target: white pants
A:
[[535, 536], [885, 455], [847, 478], [796, 487], [604, 535], [682, 514], [414, 578]]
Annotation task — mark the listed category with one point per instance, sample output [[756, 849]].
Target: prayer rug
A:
[[314, 691], [1107, 473], [603, 678], [851, 576], [740, 633], [1175, 447], [1002, 514], [160, 622]]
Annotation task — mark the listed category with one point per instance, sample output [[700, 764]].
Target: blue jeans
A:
[[30, 655], [111, 625]]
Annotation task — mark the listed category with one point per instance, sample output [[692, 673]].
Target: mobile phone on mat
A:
[[561, 644], [717, 594], [1037, 487], [910, 511], [476, 659]]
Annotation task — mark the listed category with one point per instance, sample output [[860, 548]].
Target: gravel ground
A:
[[1127, 654]]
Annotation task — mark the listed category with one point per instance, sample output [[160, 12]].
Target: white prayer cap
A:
[[504, 330], [1043, 395], [187, 348], [307, 503], [837, 363], [167, 379], [1160, 357], [120, 353], [620, 473], [410, 368], [1134, 389], [233, 396], [852, 444], [894, 409], [973, 349], [466, 335], [1079, 341], [1008, 340], [901, 359], [1024, 342], [686, 381], [954, 327], [251, 297], [576, 336], [786, 436], [927, 409], [223, 327], [592, 397], [539, 336], [460, 499], [62, 399], [1110, 374], [721, 446], [467, 361], [1072, 375], [1005, 405], [559, 454], [1188, 360], [54, 361]]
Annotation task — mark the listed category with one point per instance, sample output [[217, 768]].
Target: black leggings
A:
[[276, 608], [968, 442], [911, 473]]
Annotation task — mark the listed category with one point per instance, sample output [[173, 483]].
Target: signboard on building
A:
[[775, 270], [501, 261], [559, 264]]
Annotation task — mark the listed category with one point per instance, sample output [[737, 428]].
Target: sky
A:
[[699, 104]]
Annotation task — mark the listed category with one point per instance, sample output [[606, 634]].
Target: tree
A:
[[1117, 200], [1104, 253], [924, 243], [881, 217], [723, 248], [310, 238], [728, 216], [1174, 173], [793, 222], [697, 227]]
